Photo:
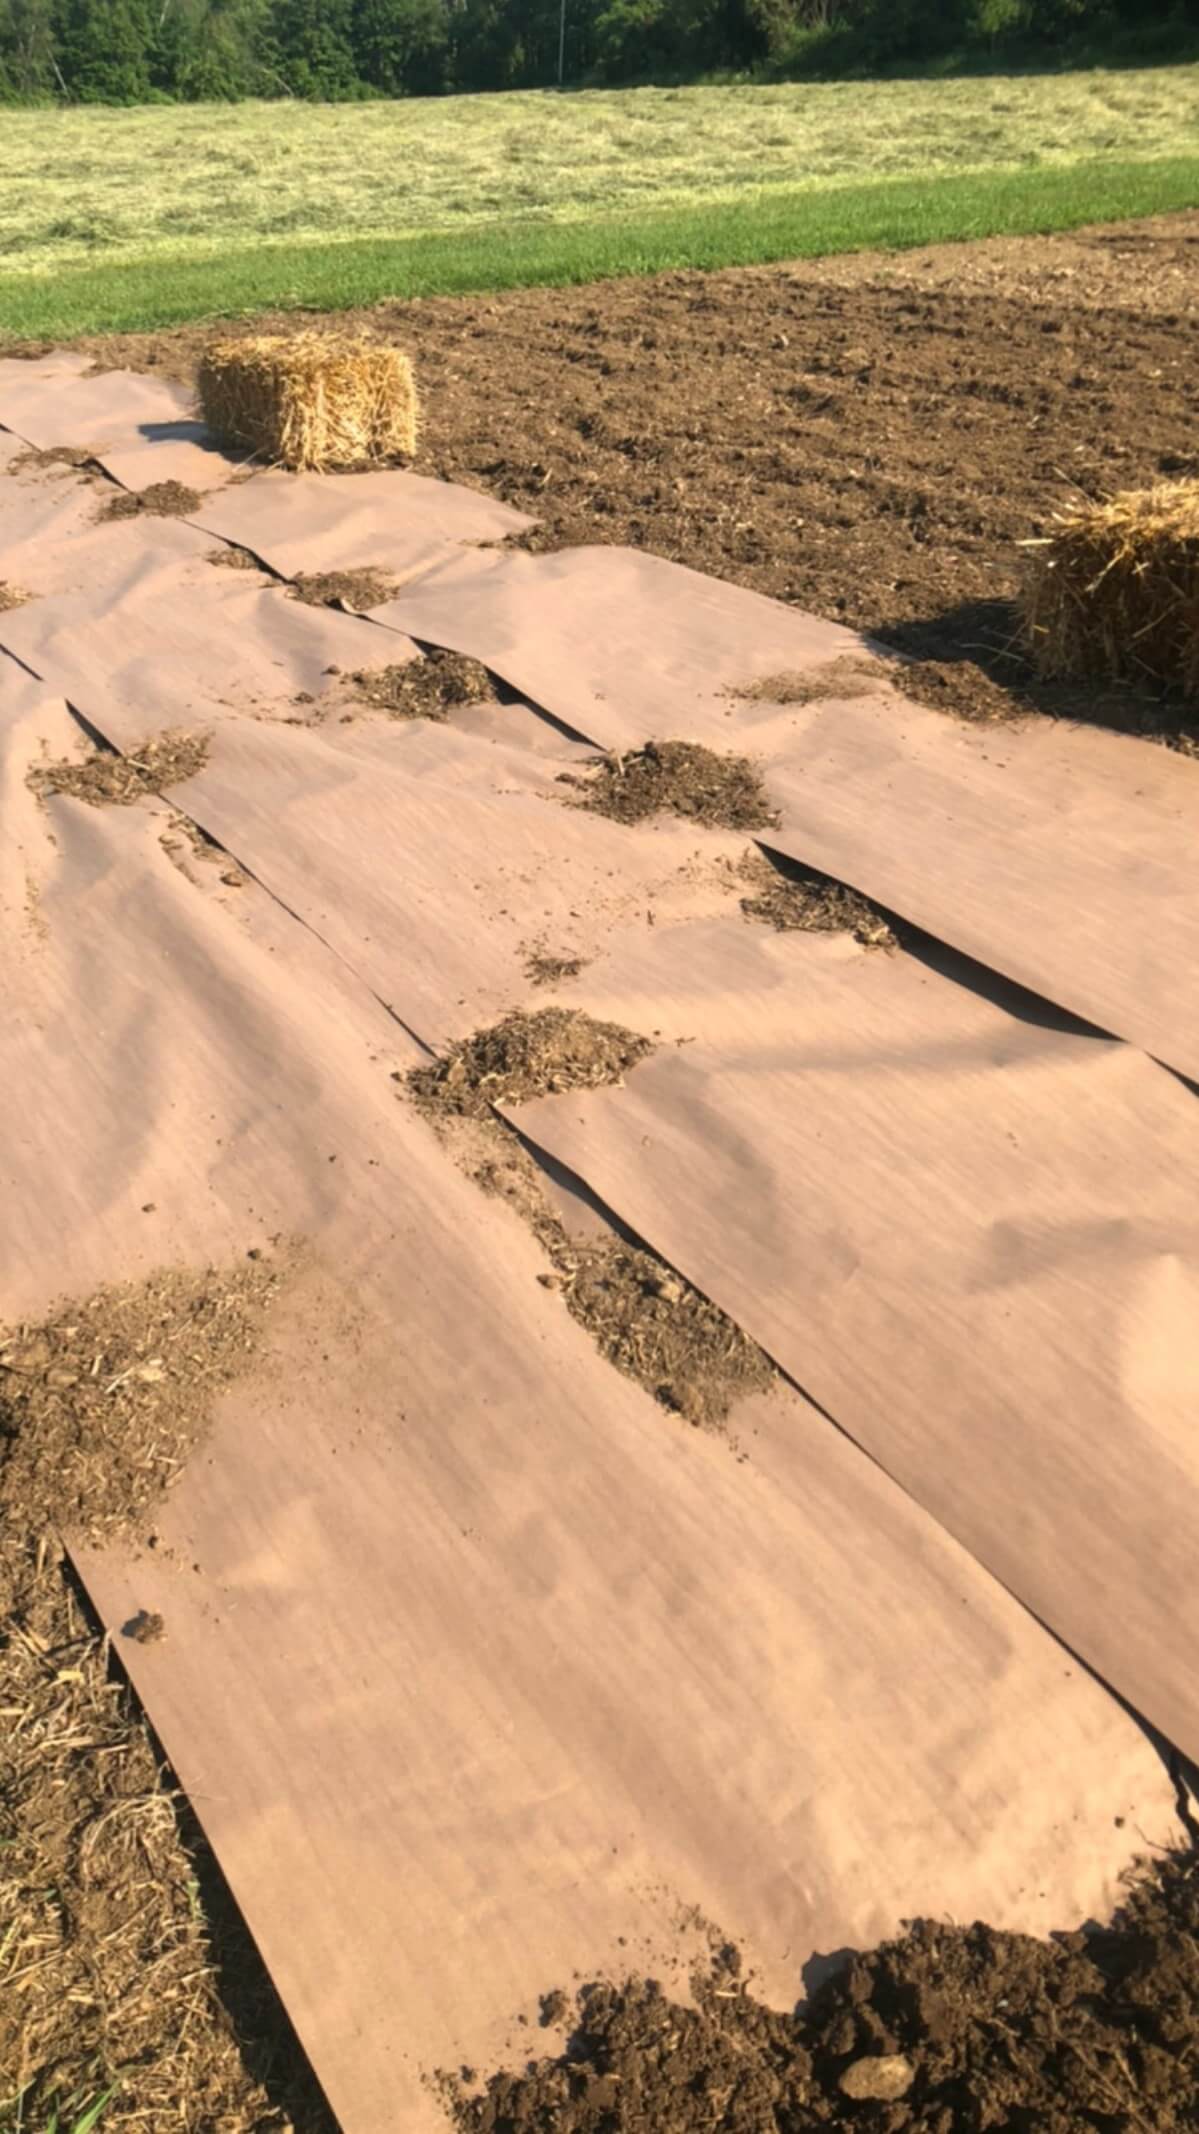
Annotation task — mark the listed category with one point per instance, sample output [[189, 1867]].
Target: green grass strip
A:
[[789, 225]]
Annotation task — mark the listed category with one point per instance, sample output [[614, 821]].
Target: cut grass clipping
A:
[[107, 1987], [1113, 592], [162, 500], [676, 778], [795, 899], [526, 1056], [428, 688], [311, 400], [646, 1319], [107, 779]]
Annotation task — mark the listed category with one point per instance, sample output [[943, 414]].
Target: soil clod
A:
[[356, 590], [795, 899], [162, 500], [428, 688], [526, 1056], [677, 778], [107, 779]]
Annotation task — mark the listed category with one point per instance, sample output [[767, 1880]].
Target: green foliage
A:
[[127, 51]]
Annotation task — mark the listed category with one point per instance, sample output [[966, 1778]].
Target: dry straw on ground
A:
[[1113, 592], [311, 400]]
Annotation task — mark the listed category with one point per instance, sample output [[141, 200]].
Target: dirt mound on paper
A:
[[107, 779], [643, 1316], [526, 1056], [120, 1948], [11, 596], [676, 778], [356, 590], [101, 1404], [162, 500], [428, 688], [795, 899], [47, 460], [232, 558], [950, 2030], [544, 969], [847, 677]]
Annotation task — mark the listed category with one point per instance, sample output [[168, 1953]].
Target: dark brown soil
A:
[[11, 596], [355, 590], [643, 1316], [793, 899], [676, 778], [428, 688], [526, 1056], [950, 2030], [870, 438], [162, 500], [544, 969], [107, 779]]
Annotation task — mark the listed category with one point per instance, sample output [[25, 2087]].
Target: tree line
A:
[[139, 51]]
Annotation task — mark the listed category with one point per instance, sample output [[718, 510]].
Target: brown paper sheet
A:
[[1063, 859], [158, 637], [142, 429], [417, 1688], [967, 1231], [398, 523]]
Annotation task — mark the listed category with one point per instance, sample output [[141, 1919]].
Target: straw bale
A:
[[311, 400], [1113, 592]]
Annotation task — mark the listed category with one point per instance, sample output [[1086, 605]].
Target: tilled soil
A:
[[870, 438]]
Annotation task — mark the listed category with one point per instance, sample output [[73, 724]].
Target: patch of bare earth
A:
[[675, 778], [947, 2030], [11, 596], [795, 899], [111, 1909], [162, 500], [55, 459], [426, 688], [526, 1056], [105, 778], [648, 1321], [232, 558], [355, 590]]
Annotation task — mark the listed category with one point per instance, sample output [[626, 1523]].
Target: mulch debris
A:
[[427, 688], [675, 778], [543, 969], [526, 1056], [11, 596], [111, 1908], [845, 677], [647, 1319], [107, 779], [946, 2030], [162, 500], [232, 558], [799, 899], [355, 590]]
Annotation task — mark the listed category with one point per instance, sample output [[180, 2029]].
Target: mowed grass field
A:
[[127, 218]]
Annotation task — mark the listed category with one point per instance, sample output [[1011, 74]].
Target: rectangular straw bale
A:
[[311, 400], [1113, 592]]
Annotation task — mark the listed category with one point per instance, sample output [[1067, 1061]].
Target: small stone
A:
[[880, 2077]]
